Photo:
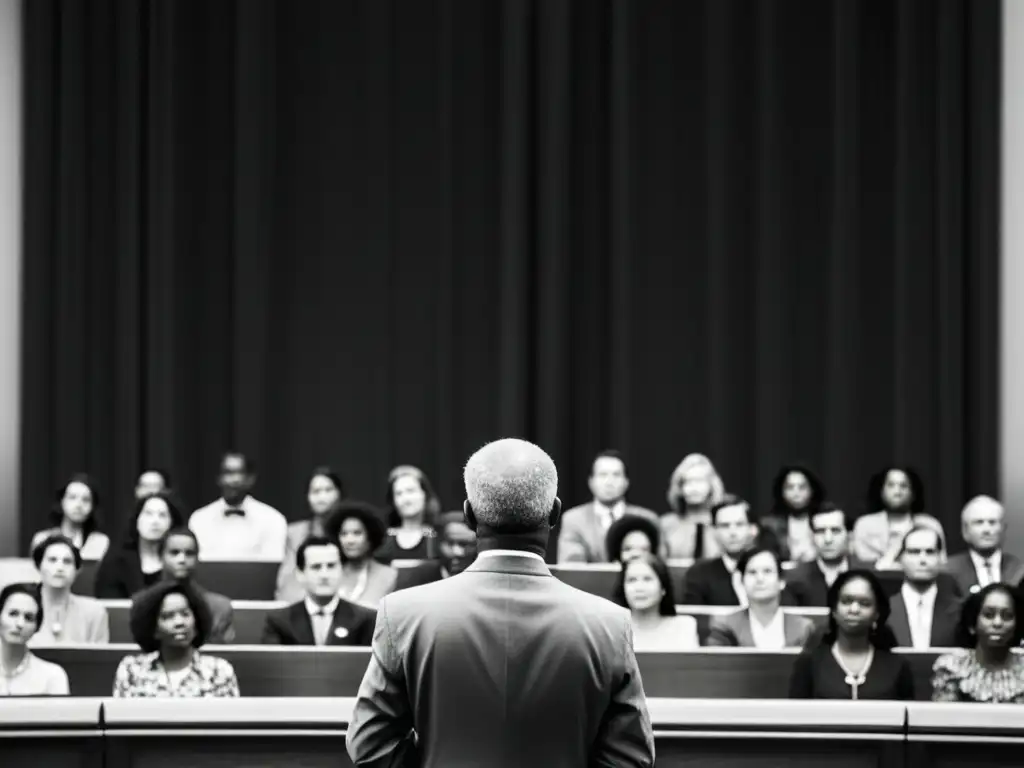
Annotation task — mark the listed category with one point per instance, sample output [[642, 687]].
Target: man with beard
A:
[[581, 538], [457, 546]]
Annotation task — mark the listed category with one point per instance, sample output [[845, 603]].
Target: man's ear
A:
[[556, 512], [469, 515]]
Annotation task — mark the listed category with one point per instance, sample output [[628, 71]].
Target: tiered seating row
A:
[[110, 733]]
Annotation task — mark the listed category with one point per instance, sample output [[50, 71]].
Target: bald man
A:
[[503, 665], [983, 526]]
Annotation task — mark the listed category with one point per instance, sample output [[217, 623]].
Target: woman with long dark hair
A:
[[412, 510], [895, 504], [854, 658], [796, 494], [645, 588], [985, 668], [323, 491], [75, 514]]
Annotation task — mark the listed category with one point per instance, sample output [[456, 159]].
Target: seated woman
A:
[[854, 658], [897, 494], [686, 529], [358, 529], [75, 514], [412, 512], [21, 672], [150, 481], [644, 586], [630, 537], [796, 492], [170, 623], [985, 669], [136, 563], [69, 618], [323, 491], [763, 624]]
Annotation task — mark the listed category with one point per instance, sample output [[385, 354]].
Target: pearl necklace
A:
[[855, 681], [6, 676]]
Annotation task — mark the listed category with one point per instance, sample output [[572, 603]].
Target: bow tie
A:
[[234, 511]]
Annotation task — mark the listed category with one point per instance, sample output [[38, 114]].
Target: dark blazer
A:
[[502, 666], [806, 584], [352, 625], [945, 618], [734, 630], [119, 575], [961, 568], [222, 628], [417, 575], [709, 582]]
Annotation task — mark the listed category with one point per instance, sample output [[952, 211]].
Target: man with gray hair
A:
[[503, 665]]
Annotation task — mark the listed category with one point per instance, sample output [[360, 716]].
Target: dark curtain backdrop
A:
[[371, 232]]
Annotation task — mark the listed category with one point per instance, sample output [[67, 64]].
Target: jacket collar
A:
[[514, 564]]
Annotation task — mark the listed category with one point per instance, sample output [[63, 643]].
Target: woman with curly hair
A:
[[895, 504], [170, 622], [796, 494]]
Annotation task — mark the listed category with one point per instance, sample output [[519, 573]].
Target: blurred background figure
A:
[[21, 672], [796, 494], [75, 514], [457, 546], [693, 490], [926, 610], [716, 581], [70, 618], [645, 588], [412, 510], [136, 562], [896, 502], [323, 490], [983, 527], [151, 481], [358, 529], [631, 537], [808, 583], [170, 623]]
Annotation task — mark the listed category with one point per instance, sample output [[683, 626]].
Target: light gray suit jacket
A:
[[734, 629], [582, 536], [502, 666], [86, 622]]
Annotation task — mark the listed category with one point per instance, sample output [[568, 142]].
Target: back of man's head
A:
[[511, 486]]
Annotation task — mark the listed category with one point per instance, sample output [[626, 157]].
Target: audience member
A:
[[694, 489], [632, 536], [412, 509], [985, 668], [358, 529], [796, 493], [854, 658], [170, 623], [645, 588], [896, 496], [69, 618], [763, 624], [926, 610], [717, 582], [584, 529], [457, 545], [808, 583], [22, 673], [983, 527], [75, 514], [323, 491], [136, 563], [237, 526], [179, 553], [151, 481], [322, 617]]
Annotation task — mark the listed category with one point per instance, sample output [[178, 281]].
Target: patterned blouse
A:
[[144, 677], [958, 676]]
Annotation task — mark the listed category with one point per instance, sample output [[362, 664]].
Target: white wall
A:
[[10, 270], [1012, 277]]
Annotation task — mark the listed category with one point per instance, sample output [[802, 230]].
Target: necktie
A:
[[698, 542], [920, 641], [320, 627], [989, 573]]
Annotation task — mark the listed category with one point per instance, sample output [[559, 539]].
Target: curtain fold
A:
[[364, 232]]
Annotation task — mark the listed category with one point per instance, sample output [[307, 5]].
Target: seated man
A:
[[457, 547], [323, 617], [926, 611], [763, 624], [717, 582], [983, 527], [809, 582], [179, 551]]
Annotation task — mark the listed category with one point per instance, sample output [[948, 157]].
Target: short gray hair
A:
[[511, 484]]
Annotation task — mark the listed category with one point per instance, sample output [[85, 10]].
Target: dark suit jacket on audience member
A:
[[417, 575], [734, 630], [291, 625], [807, 586], [119, 575], [502, 665], [961, 568], [944, 619], [708, 582]]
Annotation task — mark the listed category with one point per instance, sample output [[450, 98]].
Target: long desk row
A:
[[711, 673], [250, 615], [112, 733], [256, 581]]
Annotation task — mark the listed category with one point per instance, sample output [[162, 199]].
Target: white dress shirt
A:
[[259, 535], [770, 636], [830, 573], [920, 612], [989, 570], [608, 515], [509, 552], [321, 617]]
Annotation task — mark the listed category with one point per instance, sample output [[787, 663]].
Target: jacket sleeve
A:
[[801, 681], [100, 630], [381, 733], [109, 583], [721, 633], [571, 546], [271, 632], [626, 738]]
